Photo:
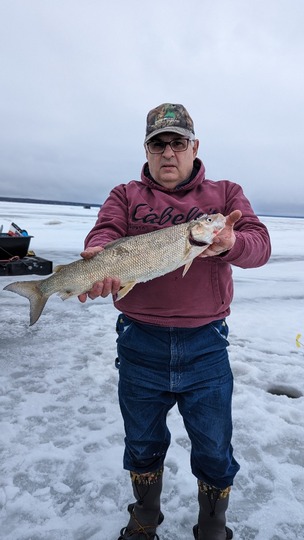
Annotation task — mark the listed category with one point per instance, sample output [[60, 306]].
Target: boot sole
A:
[[124, 531], [229, 533]]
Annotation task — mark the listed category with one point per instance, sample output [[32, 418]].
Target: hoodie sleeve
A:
[[112, 220], [252, 247]]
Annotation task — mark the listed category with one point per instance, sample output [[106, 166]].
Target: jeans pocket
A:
[[123, 324], [221, 328]]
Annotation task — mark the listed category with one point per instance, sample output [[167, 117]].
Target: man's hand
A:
[[225, 239], [100, 288]]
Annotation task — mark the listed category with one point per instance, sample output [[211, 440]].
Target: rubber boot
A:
[[145, 514], [213, 504]]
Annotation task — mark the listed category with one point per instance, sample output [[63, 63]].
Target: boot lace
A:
[[125, 533]]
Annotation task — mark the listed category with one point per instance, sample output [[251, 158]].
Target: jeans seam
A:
[[175, 371]]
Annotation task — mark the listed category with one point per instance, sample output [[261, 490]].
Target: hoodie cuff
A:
[[235, 253]]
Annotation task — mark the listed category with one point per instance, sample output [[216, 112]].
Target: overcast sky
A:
[[78, 77]]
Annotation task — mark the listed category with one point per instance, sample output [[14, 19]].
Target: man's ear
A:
[[195, 148]]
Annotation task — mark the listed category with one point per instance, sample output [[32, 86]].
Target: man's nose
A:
[[168, 152]]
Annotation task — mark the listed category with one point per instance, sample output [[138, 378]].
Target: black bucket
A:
[[13, 246]]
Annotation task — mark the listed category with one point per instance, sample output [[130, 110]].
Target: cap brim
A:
[[170, 129]]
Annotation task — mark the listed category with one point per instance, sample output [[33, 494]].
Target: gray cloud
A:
[[78, 77]]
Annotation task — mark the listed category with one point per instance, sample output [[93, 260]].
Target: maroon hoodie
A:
[[204, 294]]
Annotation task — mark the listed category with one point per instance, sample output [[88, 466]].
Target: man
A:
[[172, 331]]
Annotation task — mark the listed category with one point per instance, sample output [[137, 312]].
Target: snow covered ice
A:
[[61, 441]]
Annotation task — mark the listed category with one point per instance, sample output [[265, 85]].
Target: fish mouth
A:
[[194, 242]]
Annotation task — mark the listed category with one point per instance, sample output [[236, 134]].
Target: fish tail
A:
[[32, 291]]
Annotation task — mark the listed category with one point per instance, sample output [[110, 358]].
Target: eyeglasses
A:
[[158, 147]]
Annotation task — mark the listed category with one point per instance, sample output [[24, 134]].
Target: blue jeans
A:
[[160, 367]]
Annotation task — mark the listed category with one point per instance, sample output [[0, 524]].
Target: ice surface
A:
[[61, 441]]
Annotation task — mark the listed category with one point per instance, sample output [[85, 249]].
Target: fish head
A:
[[204, 229]]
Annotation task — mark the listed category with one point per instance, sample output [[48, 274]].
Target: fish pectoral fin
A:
[[186, 268], [125, 289]]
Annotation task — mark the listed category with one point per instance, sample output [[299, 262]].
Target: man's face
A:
[[171, 168]]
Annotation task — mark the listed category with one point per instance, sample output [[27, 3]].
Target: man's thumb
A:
[[233, 217], [91, 252]]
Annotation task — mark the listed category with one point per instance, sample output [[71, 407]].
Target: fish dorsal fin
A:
[[58, 267], [125, 289]]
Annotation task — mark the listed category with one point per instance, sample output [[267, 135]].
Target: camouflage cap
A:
[[169, 117]]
